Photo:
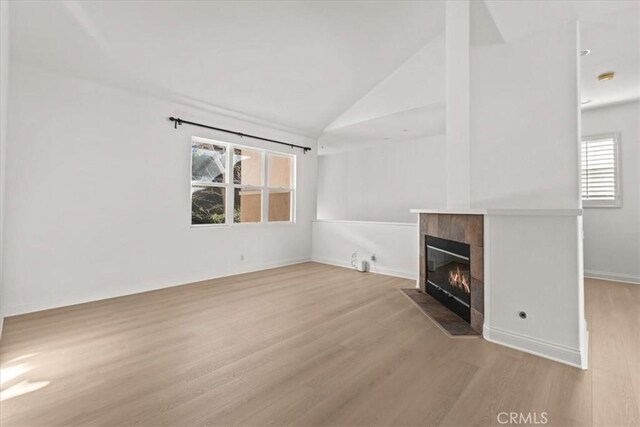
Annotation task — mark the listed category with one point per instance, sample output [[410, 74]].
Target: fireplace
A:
[[448, 274], [456, 241]]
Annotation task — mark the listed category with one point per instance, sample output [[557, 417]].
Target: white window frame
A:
[[617, 201], [224, 184], [230, 186], [268, 188], [260, 188]]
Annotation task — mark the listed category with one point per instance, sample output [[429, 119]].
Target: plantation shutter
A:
[[599, 171]]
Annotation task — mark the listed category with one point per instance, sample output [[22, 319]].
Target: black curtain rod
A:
[[178, 121]]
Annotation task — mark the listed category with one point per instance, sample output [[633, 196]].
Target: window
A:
[[259, 188], [280, 187], [247, 184], [208, 183], [600, 172]]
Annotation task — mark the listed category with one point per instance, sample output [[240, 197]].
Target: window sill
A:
[[264, 223], [244, 224], [597, 205], [208, 225]]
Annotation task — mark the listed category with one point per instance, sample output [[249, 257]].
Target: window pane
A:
[[279, 171], [279, 205], [247, 167], [207, 205], [208, 162], [247, 205]]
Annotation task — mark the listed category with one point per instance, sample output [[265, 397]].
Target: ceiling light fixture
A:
[[606, 76], [585, 52]]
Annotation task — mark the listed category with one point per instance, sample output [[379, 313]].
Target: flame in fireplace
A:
[[459, 280]]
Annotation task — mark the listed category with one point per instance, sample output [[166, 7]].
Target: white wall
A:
[[524, 122], [612, 235], [525, 154], [399, 92], [382, 183], [395, 245], [458, 43], [523, 151], [532, 265], [4, 86], [98, 196]]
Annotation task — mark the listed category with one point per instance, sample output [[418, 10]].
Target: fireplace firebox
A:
[[448, 274]]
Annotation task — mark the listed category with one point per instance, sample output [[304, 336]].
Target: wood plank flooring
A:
[[308, 344]]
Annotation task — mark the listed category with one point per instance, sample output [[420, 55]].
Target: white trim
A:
[[584, 340], [594, 107], [486, 247], [132, 289], [602, 204], [224, 184], [584, 330], [208, 225], [412, 275], [501, 211], [264, 207], [469, 211], [535, 212], [291, 189], [612, 277], [559, 353], [243, 224], [346, 221]]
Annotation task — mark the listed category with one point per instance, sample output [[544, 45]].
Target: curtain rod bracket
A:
[[176, 122]]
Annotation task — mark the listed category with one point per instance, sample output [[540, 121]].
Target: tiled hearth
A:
[[468, 229]]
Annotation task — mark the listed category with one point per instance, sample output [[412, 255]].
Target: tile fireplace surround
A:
[[527, 275], [468, 229]]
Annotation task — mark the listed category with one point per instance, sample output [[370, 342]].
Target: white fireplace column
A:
[[457, 42]]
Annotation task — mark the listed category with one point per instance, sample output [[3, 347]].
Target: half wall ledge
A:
[[500, 211]]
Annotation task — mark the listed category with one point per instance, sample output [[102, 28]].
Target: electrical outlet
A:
[[373, 257], [241, 257]]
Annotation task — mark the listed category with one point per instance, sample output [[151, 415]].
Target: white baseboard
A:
[[67, 300], [614, 277], [585, 349], [373, 269], [559, 353]]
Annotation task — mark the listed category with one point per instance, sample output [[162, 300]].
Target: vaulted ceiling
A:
[[298, 64], [411, 102], [355, 72]]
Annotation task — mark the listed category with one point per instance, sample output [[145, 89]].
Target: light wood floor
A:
[[308, 344]]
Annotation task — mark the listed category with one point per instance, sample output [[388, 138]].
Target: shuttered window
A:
[[600, 173]]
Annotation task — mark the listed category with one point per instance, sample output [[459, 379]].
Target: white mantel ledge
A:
[[497, 211]]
